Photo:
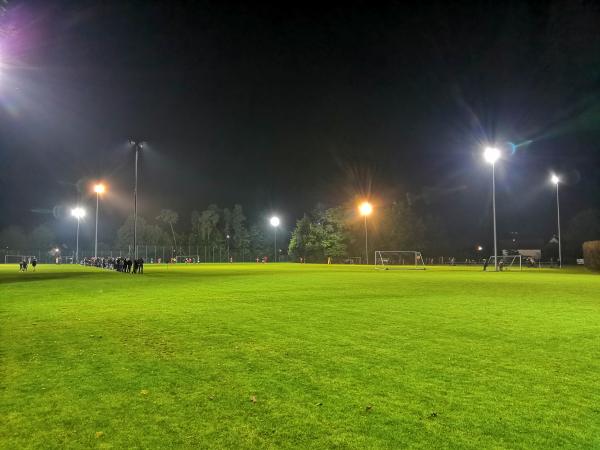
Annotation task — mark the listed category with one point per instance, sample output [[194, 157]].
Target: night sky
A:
[[281, 106]]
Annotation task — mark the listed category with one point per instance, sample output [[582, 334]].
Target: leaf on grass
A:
[[253, 399], [99, 434], [144, 392], [368, 407], [319, 404]]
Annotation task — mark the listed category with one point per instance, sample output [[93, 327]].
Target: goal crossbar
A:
[[18, 258], [399, 259], [508, 262]]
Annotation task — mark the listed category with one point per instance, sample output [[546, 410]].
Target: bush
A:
[[591, 255]]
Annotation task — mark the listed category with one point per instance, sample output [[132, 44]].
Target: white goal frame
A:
[[19, 258], [353, 260], [382, 259], [508, 260]]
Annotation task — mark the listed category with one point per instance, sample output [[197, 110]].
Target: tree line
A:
[[215, 233]]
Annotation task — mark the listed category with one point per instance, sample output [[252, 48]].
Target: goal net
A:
[[16, 259], [507, 262], [188, 259], [353, 260], [399, 259]]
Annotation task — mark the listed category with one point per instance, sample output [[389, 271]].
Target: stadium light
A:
[[491, 155], [98, 189], [274, 221], [138, 145], [479, 248], [365, 209], [79, 213], [556, 180]]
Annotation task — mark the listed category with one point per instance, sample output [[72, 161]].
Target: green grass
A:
[[298, 356]]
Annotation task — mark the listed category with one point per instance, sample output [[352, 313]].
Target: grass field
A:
[[298, 356]]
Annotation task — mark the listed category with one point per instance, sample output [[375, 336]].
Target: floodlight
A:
[[99, 188], [365, 208], [78, 212], [479, 248], [555, 179], [491, 154], [274, 221]]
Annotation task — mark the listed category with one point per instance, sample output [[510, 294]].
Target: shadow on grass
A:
[[29, 277]]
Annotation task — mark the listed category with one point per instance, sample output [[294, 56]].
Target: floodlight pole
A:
[[96, 238], [366, 241], [558, 220], [275, 259], [77, 243], [137, 149], [494, 213]]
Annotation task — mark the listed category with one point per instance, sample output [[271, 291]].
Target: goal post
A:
[[507, 262], [16, 259], [399, 259]]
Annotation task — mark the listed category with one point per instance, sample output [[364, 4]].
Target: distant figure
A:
[[141, 266], [501, 265], [135, 266], [485, 264], [33, 263]]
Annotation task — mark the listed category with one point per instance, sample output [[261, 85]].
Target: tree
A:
[[42, 237], [584, 226], [169, 217], [300, 238], [125, 232], [13, 238], [322, 236], [240, 234]]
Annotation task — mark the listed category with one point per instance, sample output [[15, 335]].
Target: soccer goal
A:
[[353, 260], [16, 259], [188, 258], [399, 259], [508, 262]]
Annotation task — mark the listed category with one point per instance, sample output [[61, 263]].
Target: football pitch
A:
[[298, 356]]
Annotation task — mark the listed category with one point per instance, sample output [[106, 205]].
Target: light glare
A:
[[274, 221], [78, 212], [99, 188], [491, 154], [365, 209], [555, 179]]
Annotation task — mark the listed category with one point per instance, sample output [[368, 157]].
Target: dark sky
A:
[[280, 106]]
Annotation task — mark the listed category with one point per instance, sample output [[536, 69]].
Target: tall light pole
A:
[[274, 221], [556, 180], [365, 209], [228, 258], [78, 213], [491, 155], [137, 145], [98, 189]]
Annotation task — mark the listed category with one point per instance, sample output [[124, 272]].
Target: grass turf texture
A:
[[298, 356]]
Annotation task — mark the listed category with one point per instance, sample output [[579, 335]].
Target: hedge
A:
[[591, 254]]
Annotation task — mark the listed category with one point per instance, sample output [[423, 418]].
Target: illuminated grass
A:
[[291, 356]]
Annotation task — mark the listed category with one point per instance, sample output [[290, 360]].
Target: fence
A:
[[150, 253]]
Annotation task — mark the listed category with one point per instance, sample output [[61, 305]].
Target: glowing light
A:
[[78, 212], [365, 209], [479, 248], [491, 154], [555, 179], [274, 221], [99, 188]]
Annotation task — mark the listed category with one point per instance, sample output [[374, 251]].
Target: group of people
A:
[[120, 264], [24, 265]]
